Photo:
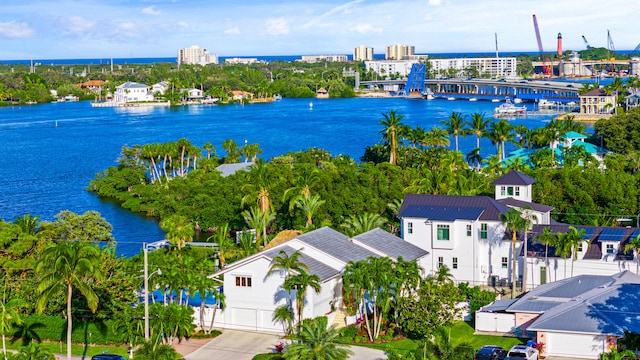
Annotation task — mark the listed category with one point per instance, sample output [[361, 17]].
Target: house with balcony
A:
[[598, 103], [132, 92], [252, 295]]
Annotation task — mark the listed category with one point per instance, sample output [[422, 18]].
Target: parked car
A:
[[490, 352], [108, 357], [520, 352]]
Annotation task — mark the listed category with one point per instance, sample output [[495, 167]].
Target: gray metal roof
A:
[[390, 245], [521, 204], [498, 305], [335, 244], [229, 169], [492, 208], [132, 85], [315, 267], [514, 177], [442, 213]]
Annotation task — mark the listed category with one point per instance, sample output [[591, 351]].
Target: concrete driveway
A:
[[244, 345]]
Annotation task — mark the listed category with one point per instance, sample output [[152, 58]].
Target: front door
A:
[[543, 275]]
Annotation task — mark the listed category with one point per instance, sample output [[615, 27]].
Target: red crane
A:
[[546, 68]]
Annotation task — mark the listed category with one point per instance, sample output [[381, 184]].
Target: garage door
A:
[[570, 345], [245, 318]]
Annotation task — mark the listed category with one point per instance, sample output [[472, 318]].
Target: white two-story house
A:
[[132, 92]]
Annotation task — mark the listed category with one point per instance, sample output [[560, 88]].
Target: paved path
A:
[[244, 345]]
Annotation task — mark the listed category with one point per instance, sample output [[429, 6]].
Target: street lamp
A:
[[146, 290]]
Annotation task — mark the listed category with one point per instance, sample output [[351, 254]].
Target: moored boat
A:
[[508, 109]]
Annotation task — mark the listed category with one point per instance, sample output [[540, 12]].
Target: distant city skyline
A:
[[67, 29]]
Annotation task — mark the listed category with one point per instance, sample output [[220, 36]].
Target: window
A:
[[503, 190], [443, 232], [580, 247], [440, 262], [483, 231], [469, 230], [454, 263], [517, 190], [609, 248], [243, 281], [410, 228], [505, 262], [510, 191]]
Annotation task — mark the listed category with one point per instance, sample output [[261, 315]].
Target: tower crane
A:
[[546, 69], [586, 43]]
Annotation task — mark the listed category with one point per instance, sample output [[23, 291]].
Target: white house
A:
[[580, 317], [160, 88], [252, 295], [132, 92], [192, 94]]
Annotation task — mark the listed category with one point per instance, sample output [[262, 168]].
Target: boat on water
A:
[[509, 109], [277, 97], [495, 100], [473, 99], [451, 98], [428, 94], [517, 101]]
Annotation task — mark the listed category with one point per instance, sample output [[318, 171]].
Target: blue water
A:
[[152, 60], [50, 152]]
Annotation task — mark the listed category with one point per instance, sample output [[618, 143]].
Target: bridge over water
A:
[[487, 89]]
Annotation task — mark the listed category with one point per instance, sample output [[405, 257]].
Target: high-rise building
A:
[[195, 55], [399, 52], [363, 53]]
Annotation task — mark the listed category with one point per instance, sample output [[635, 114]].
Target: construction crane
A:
[[610, 46], [546, 69], [586, 43]]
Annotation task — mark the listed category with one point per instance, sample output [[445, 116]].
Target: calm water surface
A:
[[50, 152]]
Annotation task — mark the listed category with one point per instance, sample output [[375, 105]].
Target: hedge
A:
[[54, 328]]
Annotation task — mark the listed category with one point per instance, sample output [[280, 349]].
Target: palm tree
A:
[[443, 349], [547, 238], [284, 314], [66, 266], [474, 158], [634, 245], [288, 263], [233, 153], [179, 229], [436, 137], [28, 224], [154, 350], [300, 283], [205, 287], [573, 239], [316, 341], [33, 351], [361, 223], [309, 206], [392, 123], [478, 126], [222, 239], [501, 132], [301, 186], [9, 316], [455, 125], [513, 222]]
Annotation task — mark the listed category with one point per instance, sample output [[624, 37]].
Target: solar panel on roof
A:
[[611, 234], [635, 234], [587, 234]]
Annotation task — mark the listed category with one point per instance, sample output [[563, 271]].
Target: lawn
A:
[[76, 350], [460, 332]]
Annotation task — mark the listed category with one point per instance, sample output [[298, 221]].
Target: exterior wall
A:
[[196, 55], [495, 322], [518, 192], [597, 105], [363, 53], [541, 338], [505, 66], [478, 259], [327, 58], [390, 67], [556, 269], [523, 320], [398, 52], [138, 92]]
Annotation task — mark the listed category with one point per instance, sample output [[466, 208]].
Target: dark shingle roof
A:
[[315, 267], [335, 244], [595, 92], [442, 213], [514, 177], [492, 208], [390, 245]]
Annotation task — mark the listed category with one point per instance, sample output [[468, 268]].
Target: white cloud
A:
[[182, 24], [77, 24], [366, 29], [233, 30], [277, 26], [151, 10], [434, 2], [14, 29]]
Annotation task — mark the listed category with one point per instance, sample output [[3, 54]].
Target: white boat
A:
[[428, 94], [495, 100], [277, 97], [451, 98], [473, 99], [310, 105], [517, 101], [508, 109]]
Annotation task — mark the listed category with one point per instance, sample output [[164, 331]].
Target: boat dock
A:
[[128, 104]]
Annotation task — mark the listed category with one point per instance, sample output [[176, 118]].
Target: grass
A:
[[460, 332]]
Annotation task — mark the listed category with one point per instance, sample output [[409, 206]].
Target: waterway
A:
[[50, 152]]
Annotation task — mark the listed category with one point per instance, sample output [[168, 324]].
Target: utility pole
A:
[[146, 292]]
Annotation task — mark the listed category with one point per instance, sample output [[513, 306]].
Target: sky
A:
[[70, 29]]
